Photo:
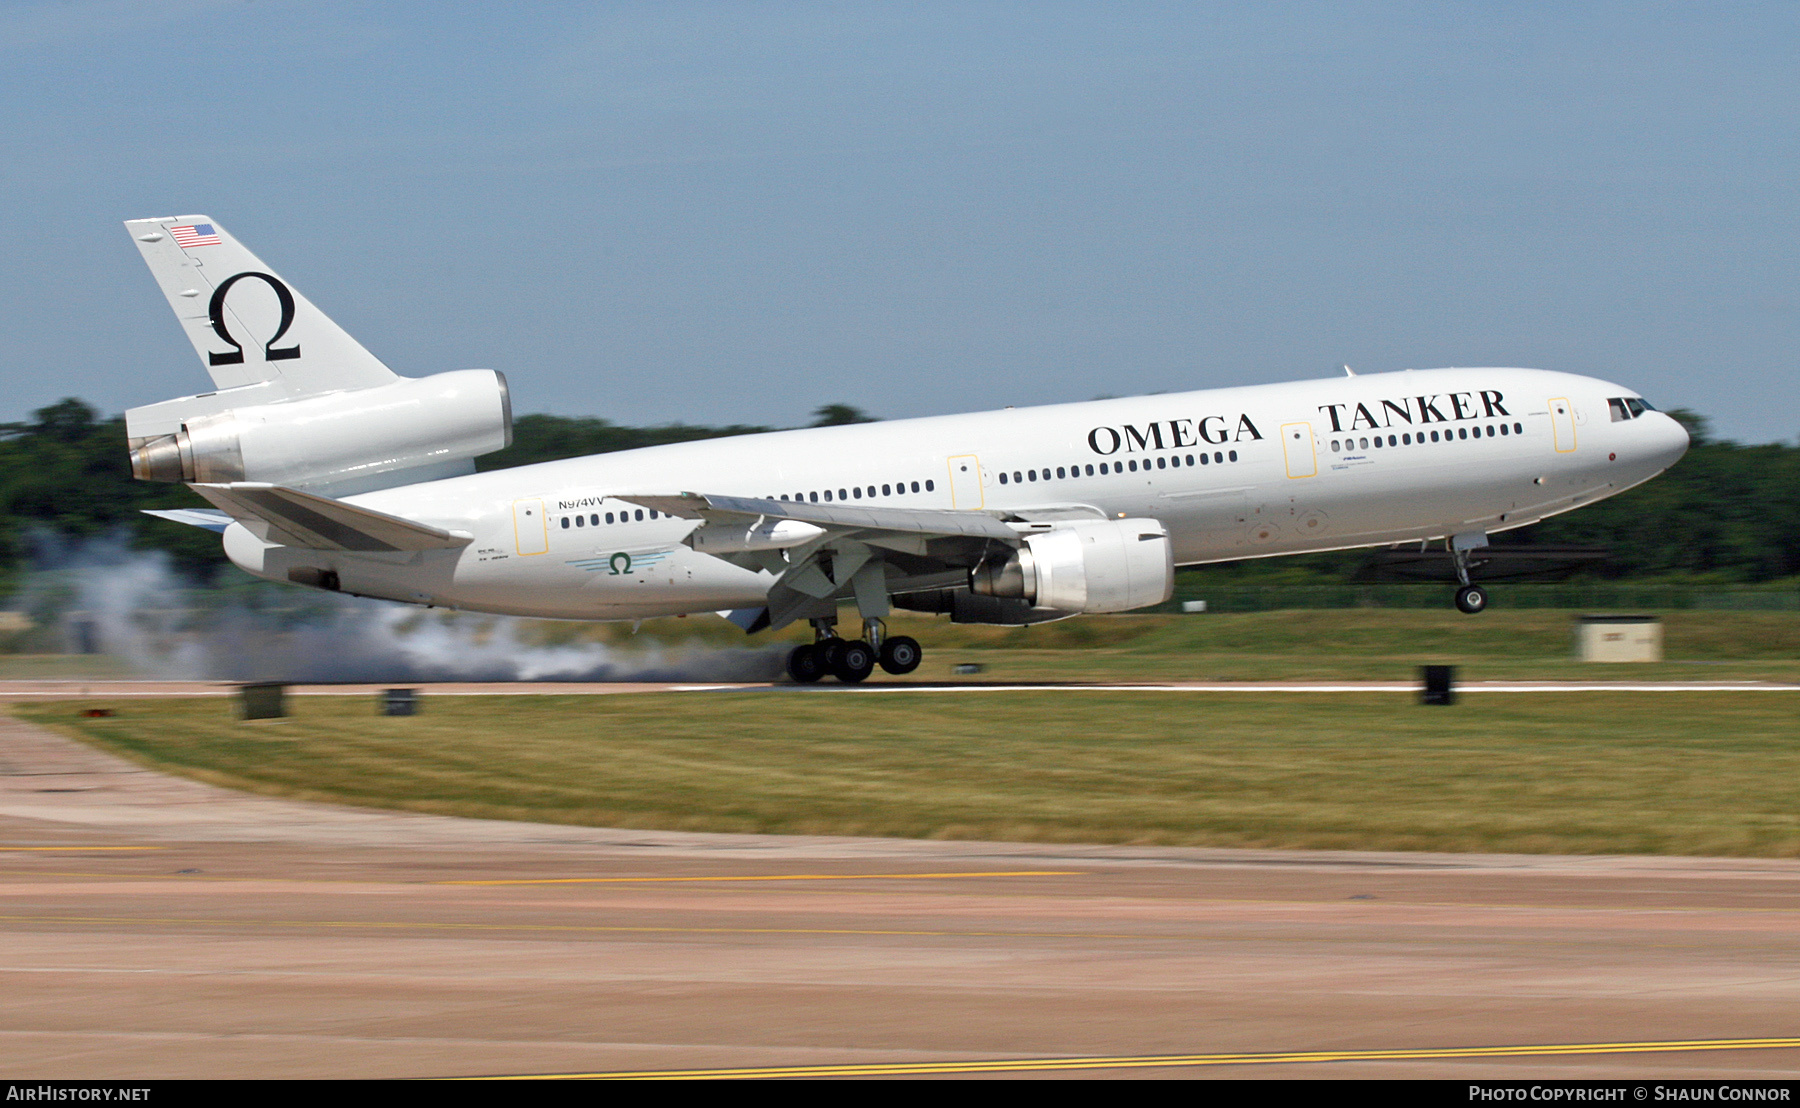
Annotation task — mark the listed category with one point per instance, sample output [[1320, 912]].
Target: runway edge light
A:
[[1437, 685]]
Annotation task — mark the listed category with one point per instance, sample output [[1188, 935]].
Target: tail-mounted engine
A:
[[342, 442], [1085, 566]]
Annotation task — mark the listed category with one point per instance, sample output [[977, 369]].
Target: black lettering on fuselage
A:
[[1172, 434], [1143, 438]]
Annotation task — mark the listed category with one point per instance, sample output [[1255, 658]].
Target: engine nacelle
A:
[[341, 440], [1111, 565]]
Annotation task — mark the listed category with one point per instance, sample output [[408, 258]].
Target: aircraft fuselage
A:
[[1231, 473]]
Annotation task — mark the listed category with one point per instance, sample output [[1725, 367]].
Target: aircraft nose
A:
[[1671, 441]]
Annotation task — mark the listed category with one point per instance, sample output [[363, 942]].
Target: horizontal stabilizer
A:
[[294, 518], [209, 518]]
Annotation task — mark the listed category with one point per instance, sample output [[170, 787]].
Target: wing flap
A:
[[294, 518], [194, 517]]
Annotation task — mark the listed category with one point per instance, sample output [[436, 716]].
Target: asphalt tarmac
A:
[[152, 927]]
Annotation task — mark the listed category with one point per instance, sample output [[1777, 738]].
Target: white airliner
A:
[[329, 470]]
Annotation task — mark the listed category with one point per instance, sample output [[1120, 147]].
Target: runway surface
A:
[[155, 927], [76, 689]]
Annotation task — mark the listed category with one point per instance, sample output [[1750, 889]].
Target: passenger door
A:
[[965, 483], [1298, 448], [1562, 424], [531, 528]]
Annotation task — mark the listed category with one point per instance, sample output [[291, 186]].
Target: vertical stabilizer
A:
[[249, 327]]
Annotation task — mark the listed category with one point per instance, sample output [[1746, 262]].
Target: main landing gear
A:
[[852, 662]]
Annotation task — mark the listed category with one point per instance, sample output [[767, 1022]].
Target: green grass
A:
[[1667, 773], [1350, 644]]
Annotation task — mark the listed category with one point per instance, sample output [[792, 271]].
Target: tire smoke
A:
[[100, 596]]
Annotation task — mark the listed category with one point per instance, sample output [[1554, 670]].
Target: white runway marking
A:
[[1350, 687], [121, 689]]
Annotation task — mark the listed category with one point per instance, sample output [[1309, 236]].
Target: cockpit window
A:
[[1628, 407], [1638, 406], [1617, 405]]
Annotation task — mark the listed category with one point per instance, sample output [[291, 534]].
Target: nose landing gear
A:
[[852, 661], [1471, 599]]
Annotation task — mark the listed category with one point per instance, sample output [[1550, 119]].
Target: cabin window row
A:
[[857, 492], [1165, 461], [593, 518], [1409, 439]]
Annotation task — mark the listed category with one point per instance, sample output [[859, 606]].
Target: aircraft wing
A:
[[277, 514], [207, 518], [845, 550], [833, 517]]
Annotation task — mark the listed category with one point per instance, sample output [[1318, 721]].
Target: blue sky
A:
[[738, 212]]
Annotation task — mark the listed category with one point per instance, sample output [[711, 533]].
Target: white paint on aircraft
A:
[[338, 473]]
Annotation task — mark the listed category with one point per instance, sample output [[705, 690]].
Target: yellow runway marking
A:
[[1148, 1061], [394, 925], [772, 877], [190, 877]]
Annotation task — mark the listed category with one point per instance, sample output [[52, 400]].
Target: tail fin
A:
[[247, 324]]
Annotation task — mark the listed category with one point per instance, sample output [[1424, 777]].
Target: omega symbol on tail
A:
[[235, 355], [620, 563]]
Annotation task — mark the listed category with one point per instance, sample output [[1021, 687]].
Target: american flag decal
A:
[[198, 234]]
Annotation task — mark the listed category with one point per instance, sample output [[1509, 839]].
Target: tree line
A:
[[1727, 510]]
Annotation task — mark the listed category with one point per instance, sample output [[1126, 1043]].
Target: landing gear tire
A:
[[853, 662], [828, 651], [806, 664], [1471, 600], [901, 654]]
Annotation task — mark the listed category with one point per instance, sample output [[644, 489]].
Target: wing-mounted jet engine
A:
[[299, 402], [1083, 567], [973, 566]]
